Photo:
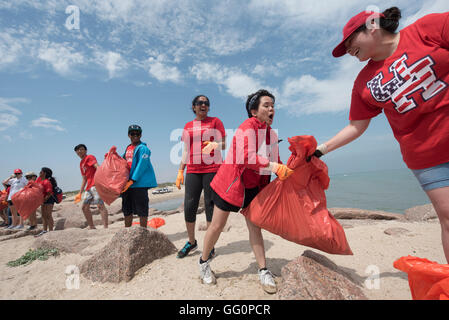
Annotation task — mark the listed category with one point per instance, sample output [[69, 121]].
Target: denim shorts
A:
[[433, 177], [91, 197]]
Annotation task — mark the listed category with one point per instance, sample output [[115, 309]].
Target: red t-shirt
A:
[[195, 133], [411, 87], [48, 187], [129, 154], [87, 167]]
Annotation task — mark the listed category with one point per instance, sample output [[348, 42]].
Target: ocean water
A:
[[389, 190]]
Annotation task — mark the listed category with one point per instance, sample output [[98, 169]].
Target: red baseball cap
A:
[[352, 25], [18, 171]]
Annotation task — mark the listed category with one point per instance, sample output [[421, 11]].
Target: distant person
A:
[[31, 176], [201, 137], [48, 183], [4, 205], [88, 167], [407, 78], [245, 172], [16, 182], [141, 178]]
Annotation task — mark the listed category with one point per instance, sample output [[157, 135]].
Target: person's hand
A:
[[320, 151], [77, 198], [281, 170], [209, 146], [180, 179], [127, 185]]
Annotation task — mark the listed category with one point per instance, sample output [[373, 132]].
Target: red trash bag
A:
[[28, 199], [153, 223], [3, 202], [295, 208], [156, 223], [427, 279], [111, 177]]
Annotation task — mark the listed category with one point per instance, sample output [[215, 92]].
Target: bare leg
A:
[[128, 221], [256, 241], [33, 219], [143, 221], [104, 215], [49, 213], [440, 201], [88, 215], [191, 231], [214, 230], [14, 216], [44, 218]]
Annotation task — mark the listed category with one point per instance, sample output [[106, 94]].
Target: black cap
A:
[[134, 127]]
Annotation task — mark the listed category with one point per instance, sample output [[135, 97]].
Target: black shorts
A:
[[250, 194], [135, 201], [50, 200]]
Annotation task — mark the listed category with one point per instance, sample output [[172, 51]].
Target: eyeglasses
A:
[[200, 103], [135, 134]]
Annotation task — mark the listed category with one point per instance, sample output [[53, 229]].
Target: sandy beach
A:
[[235, 267]]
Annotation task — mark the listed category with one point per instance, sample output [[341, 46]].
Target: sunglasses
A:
[[200, 103], [135, 133]]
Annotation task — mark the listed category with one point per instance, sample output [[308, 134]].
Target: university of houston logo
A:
[[406, 80]]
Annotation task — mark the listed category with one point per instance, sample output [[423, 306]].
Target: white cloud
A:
[[62, 57], [113, 62], [435, 7], [307, 94], [9, 114], [158, 68], [45, 122], [10, 49]]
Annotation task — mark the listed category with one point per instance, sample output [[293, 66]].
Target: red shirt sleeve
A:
[[359, 109], [91, 161], [219, 126]]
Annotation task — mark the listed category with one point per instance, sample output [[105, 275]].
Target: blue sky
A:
[[143, 61]]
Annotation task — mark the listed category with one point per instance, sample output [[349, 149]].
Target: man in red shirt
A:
[[88, 167]]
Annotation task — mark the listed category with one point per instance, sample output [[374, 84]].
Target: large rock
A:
[[314, 277], [421, 213], [69, 241], [128, 251], [351, 213]]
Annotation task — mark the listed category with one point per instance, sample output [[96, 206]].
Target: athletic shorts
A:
[[433, 177], [135, 201], [91, 197], [250, 194], [50, 200]]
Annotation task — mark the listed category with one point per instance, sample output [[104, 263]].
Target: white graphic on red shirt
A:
[[406, 81]]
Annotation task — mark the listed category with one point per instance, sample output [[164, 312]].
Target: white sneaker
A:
[[267, 281], [206, 274]]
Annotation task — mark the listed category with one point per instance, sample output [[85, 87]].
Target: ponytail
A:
[[390, 22]]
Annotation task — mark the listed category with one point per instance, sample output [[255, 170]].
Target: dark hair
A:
[[196, 99], [252, 103], [389, 23], [49, 176], [80, 146]]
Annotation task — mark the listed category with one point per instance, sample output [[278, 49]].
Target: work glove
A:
[[209, 146], [180, 179], [281, 170], [77, 198], [321, 150], [127, 185]]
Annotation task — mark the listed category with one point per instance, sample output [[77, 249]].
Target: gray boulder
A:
[[351, 213], [129, 250], [421, 213], [314, 277]]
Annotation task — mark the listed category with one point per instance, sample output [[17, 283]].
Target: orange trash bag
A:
[[111, 177], [295, 208], [3, 202], [427, 279], [28, 199], [153, 223]]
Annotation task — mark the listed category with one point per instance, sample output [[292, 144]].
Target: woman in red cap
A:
[[16, 182], [407, 78]]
